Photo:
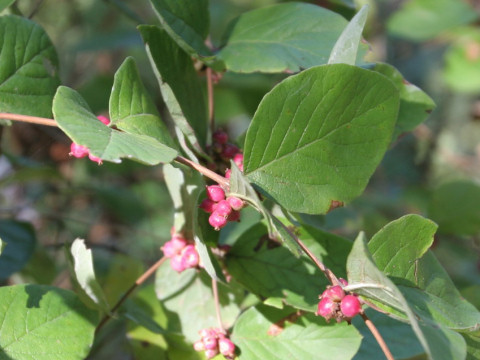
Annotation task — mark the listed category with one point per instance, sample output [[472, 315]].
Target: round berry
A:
[[220, 137], [215, 193], [234, 216], [335, 293], [229, 151], [228, 173], [226, 347], [210, 342], [198, 345], [103, 119], [207, 332], [208, 205], [223, 208], [217, 221], [326, 308], [210, 354], [78, 151], [190, 257], [350, 306], [177, 263], [343, 281], [235, 202]]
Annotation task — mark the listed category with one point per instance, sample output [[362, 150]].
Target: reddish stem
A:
[[223, 182], [217, 304], [29, 119], [377, 336]]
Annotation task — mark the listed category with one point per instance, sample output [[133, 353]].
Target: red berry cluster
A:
[[182, 254], [80, 151], [214, 341], [335, 303], [221, 209], [222, 152]]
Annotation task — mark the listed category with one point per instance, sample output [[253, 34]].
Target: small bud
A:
[[215, 193], [208, 205], [223, 208], [235, 202], [103, 119], [326, 308], [177, 263], [190, 257], [220, 137], [78, 151], [95, 159], [217, 221], [335, 293], [350, 306], [226, 347], [343, 281], [229, 151], [234, 216]]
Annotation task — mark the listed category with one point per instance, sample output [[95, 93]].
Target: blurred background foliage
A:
[[48, 199]]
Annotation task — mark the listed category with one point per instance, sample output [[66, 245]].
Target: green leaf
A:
[[473, 346], [75, 118], [455, 207], [187, 22], [283, 37], [241, 188], [415, 105], [346, 47], [400, 251], [5, 4], [421, 20], [266, 333], [20, 240], [179, 83], [44, 323], [318, 136], [131, 107], [190, 305], [83, 275], [28, 68], [367, 280]]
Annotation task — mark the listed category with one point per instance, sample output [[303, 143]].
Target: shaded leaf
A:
[[179, 83], [473, 346], [282, 37], [318, 136], [75, 118], [20, 241], [81, 262], [131, 107], [28, 67], [44, 322], [346, 48], [5, 4], [266, 333]]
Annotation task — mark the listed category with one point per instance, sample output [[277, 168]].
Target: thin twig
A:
[[223, 182], [377, 336], [29, 119], [132, 288], [211, 101], [216, 300]]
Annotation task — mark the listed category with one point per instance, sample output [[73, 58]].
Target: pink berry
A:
[[177, 263], [210, 342], [350, 306], [210, 354], [234, 216], [95, 159], [228, 173], [343, 281], [174, 246], [220, 137], [207, 332], [208, 205], [103, 119], [326, 308], [235, 202], [226, 347], [229, 151], [198, 345], [217, 221], [190, 257], [238, 159], [223, 208], [335, 293], [78, 151], [215, 193]]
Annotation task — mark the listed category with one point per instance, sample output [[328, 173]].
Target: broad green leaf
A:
[[5, 4], [415, 105], [318, 136], [421, 20], [241, 188], [473, 346], [75, 118], [367, 280], [346, 47], [179, 84], [187, 23], [455, 207], [20, 240], [462, 62], [44, 323], [131, 107], [28, 68], [83, 275], [283, 37], [191, 306], [266, 333]]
